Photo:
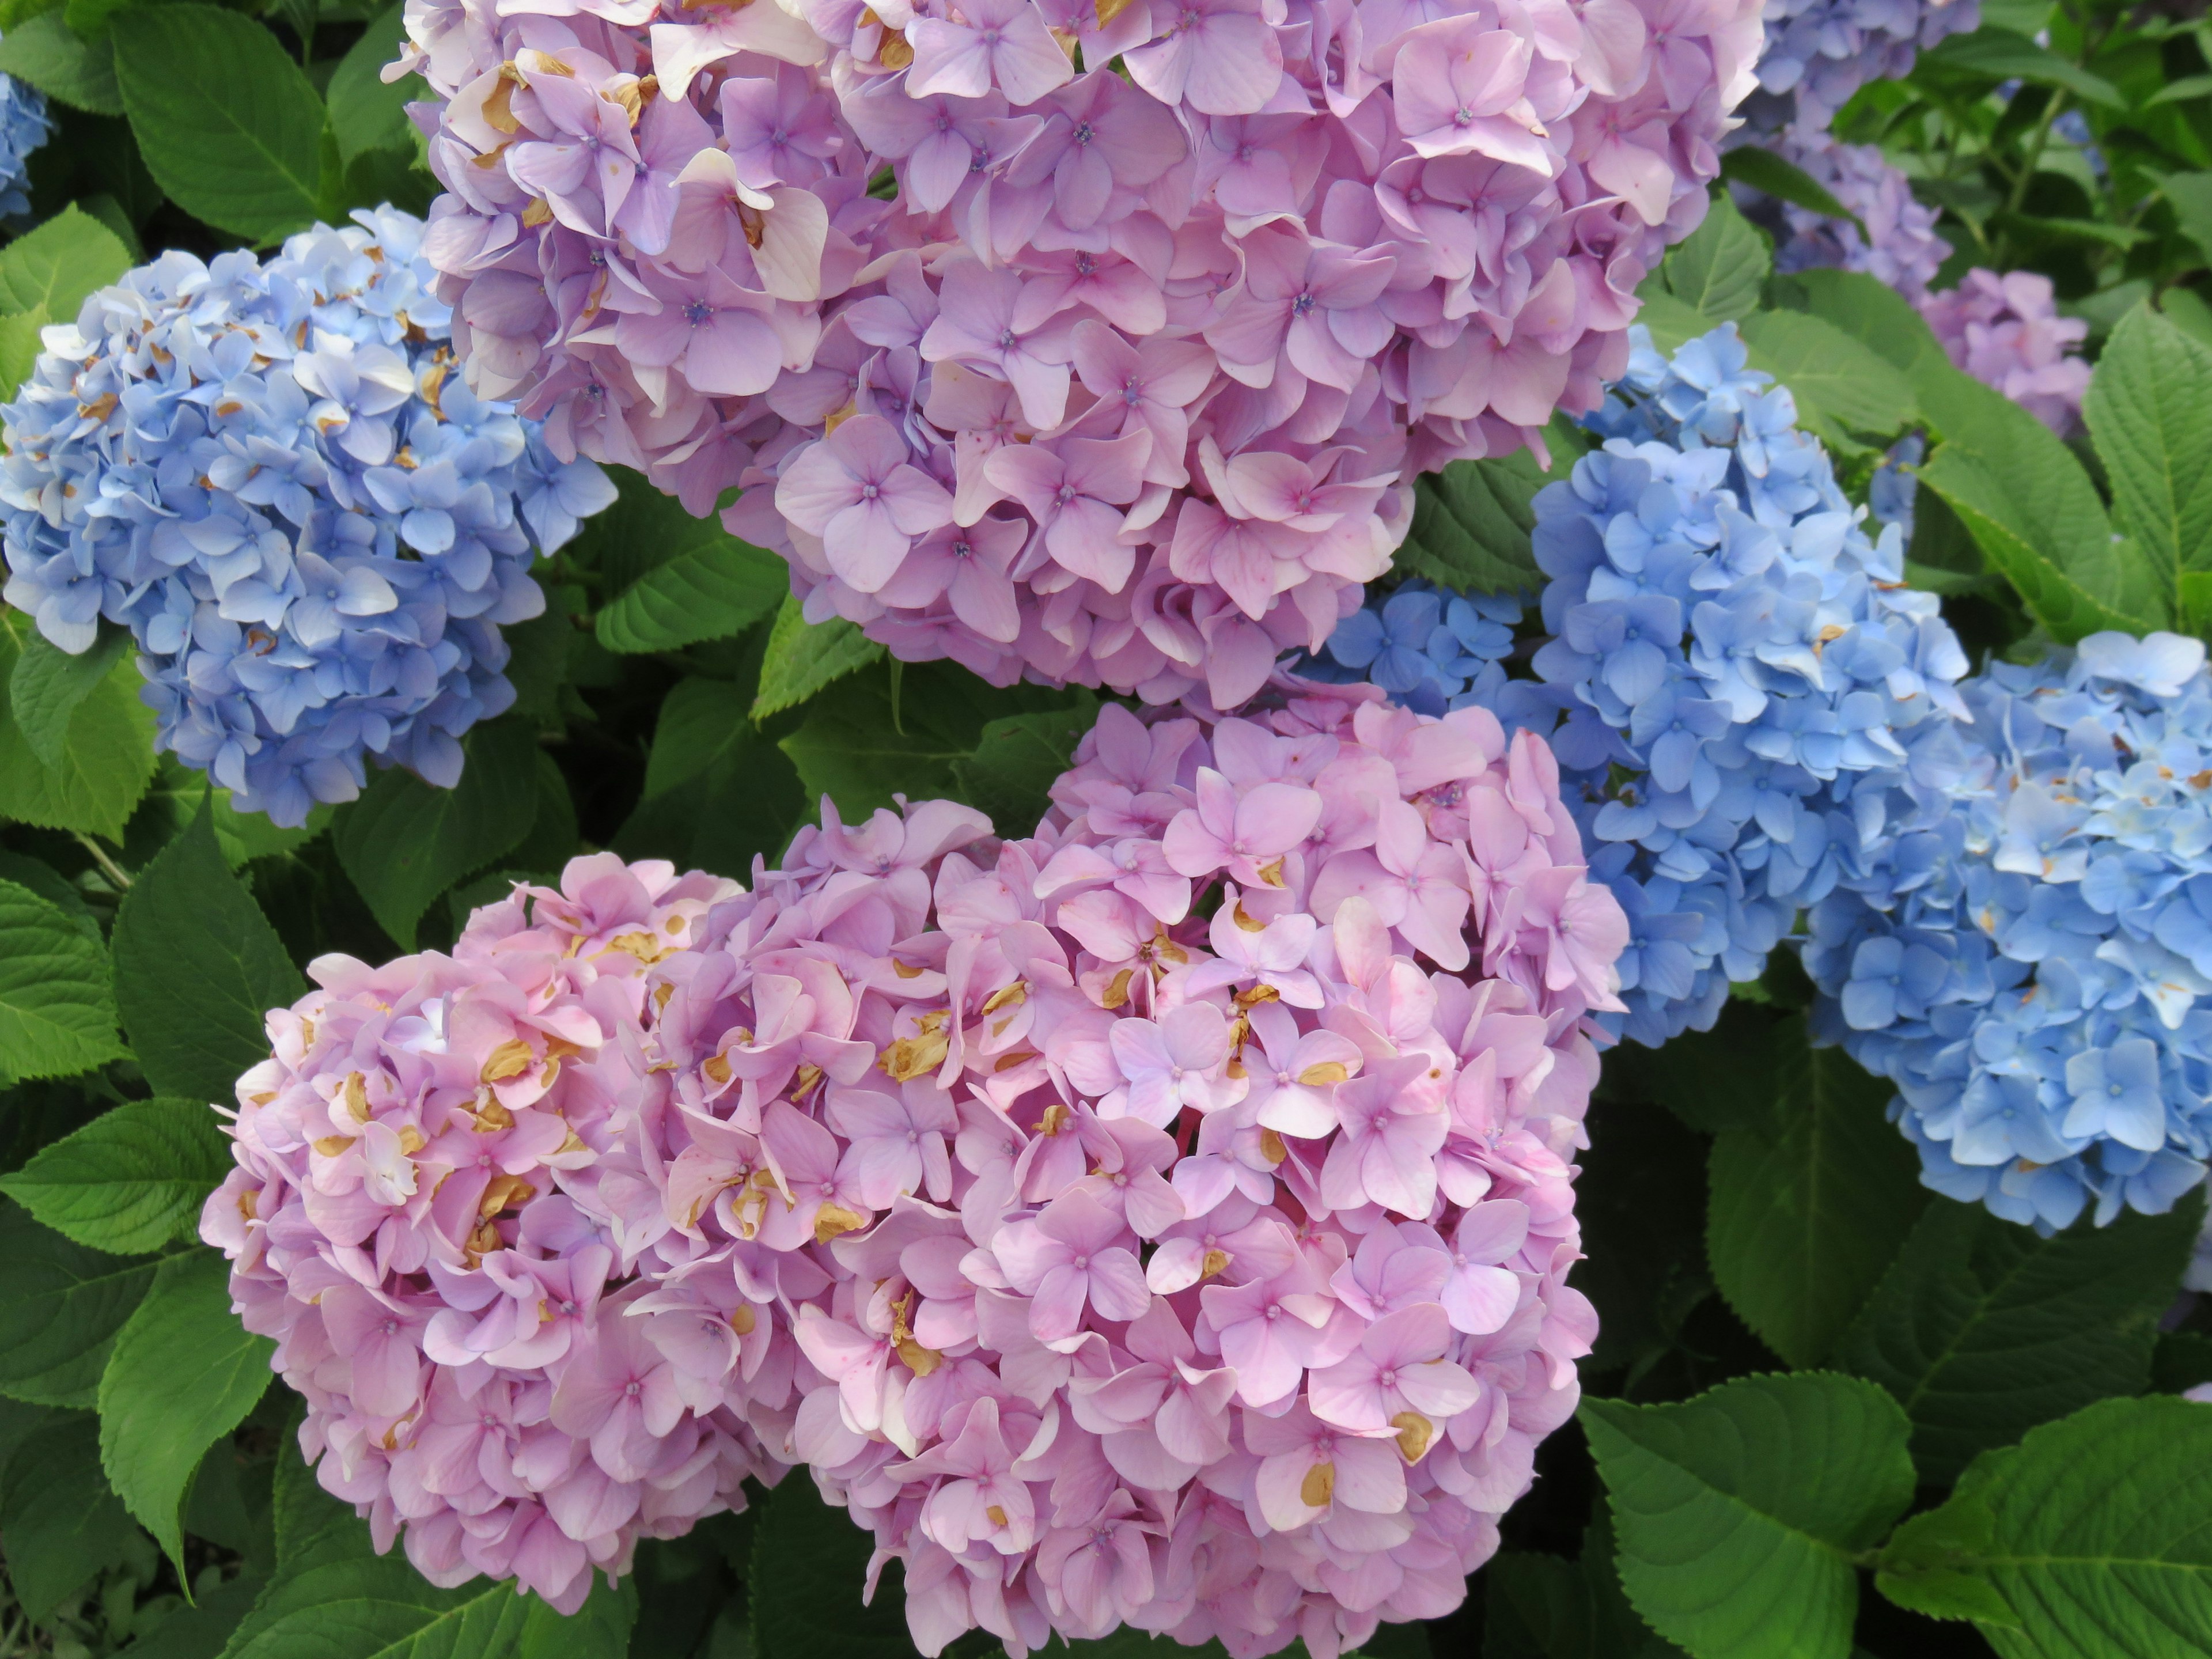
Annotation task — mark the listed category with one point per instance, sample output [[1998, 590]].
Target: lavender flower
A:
[[314, 530], [1899, 244], [1818, 52]]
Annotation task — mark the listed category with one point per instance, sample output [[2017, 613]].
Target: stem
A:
[[2053, 107], [108, 866]]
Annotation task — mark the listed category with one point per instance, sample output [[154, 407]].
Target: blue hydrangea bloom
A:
[[24, 125], [2033, 974], [1430, 651], [271, 476], [1818, 52], [1746, 701]]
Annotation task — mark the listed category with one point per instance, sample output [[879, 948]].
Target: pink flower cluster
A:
[[1134, 1227], [420, 1218], [2006, 331], [1096, 344], [1163, 1219]]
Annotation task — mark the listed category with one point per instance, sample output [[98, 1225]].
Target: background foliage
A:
[[1830, 1415]]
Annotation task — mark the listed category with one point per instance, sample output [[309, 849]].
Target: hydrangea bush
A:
[[1109, 843]]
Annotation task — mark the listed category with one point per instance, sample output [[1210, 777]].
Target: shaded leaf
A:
[[1784, 180], [1810, 1200], [365, 112], [809, 1562], [61, 1305], [56, 1005], [59, 1523], [183, 1374], [2001, 54], [1981, 1330], [1472, 522], [197, 967], [405, 842], [1010, 776]]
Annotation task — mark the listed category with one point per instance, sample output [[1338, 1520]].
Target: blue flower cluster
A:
[[2032, 979], [24, 125], [1747, 703], [1430, 651], [1818, 52], [271, 474]]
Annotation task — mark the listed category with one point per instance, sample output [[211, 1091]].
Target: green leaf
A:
[[1539, 1606], [50, 884], [59, 263], [1810, 1200], [130, 1180], [230, 127], [21, 342], [59, 1523], [179, 791], [1981, 1330], [1872, 312], [197, 967], [60, 1308], [717, 791], [2093, 1538], [2033, 512], [382, 1608], [1740, 1512], [366, 114], [1999, 54], [861, 742], [804, 657], [48, 685], [2181, 91], [108, 760], [1009, 778], [2149, 410], [1673, 323], [1839, 385], [809, 1562], [57, 1007], [42, 50], [1472, 522], [405, 842], [1719, 270], [2190, 195], [1765, 171], [183, 1373], [711, 587]]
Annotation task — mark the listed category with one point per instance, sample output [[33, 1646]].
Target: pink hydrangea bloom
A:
[[1146, 361], [2006, 331], [1163, 1219], [427, 1216]]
